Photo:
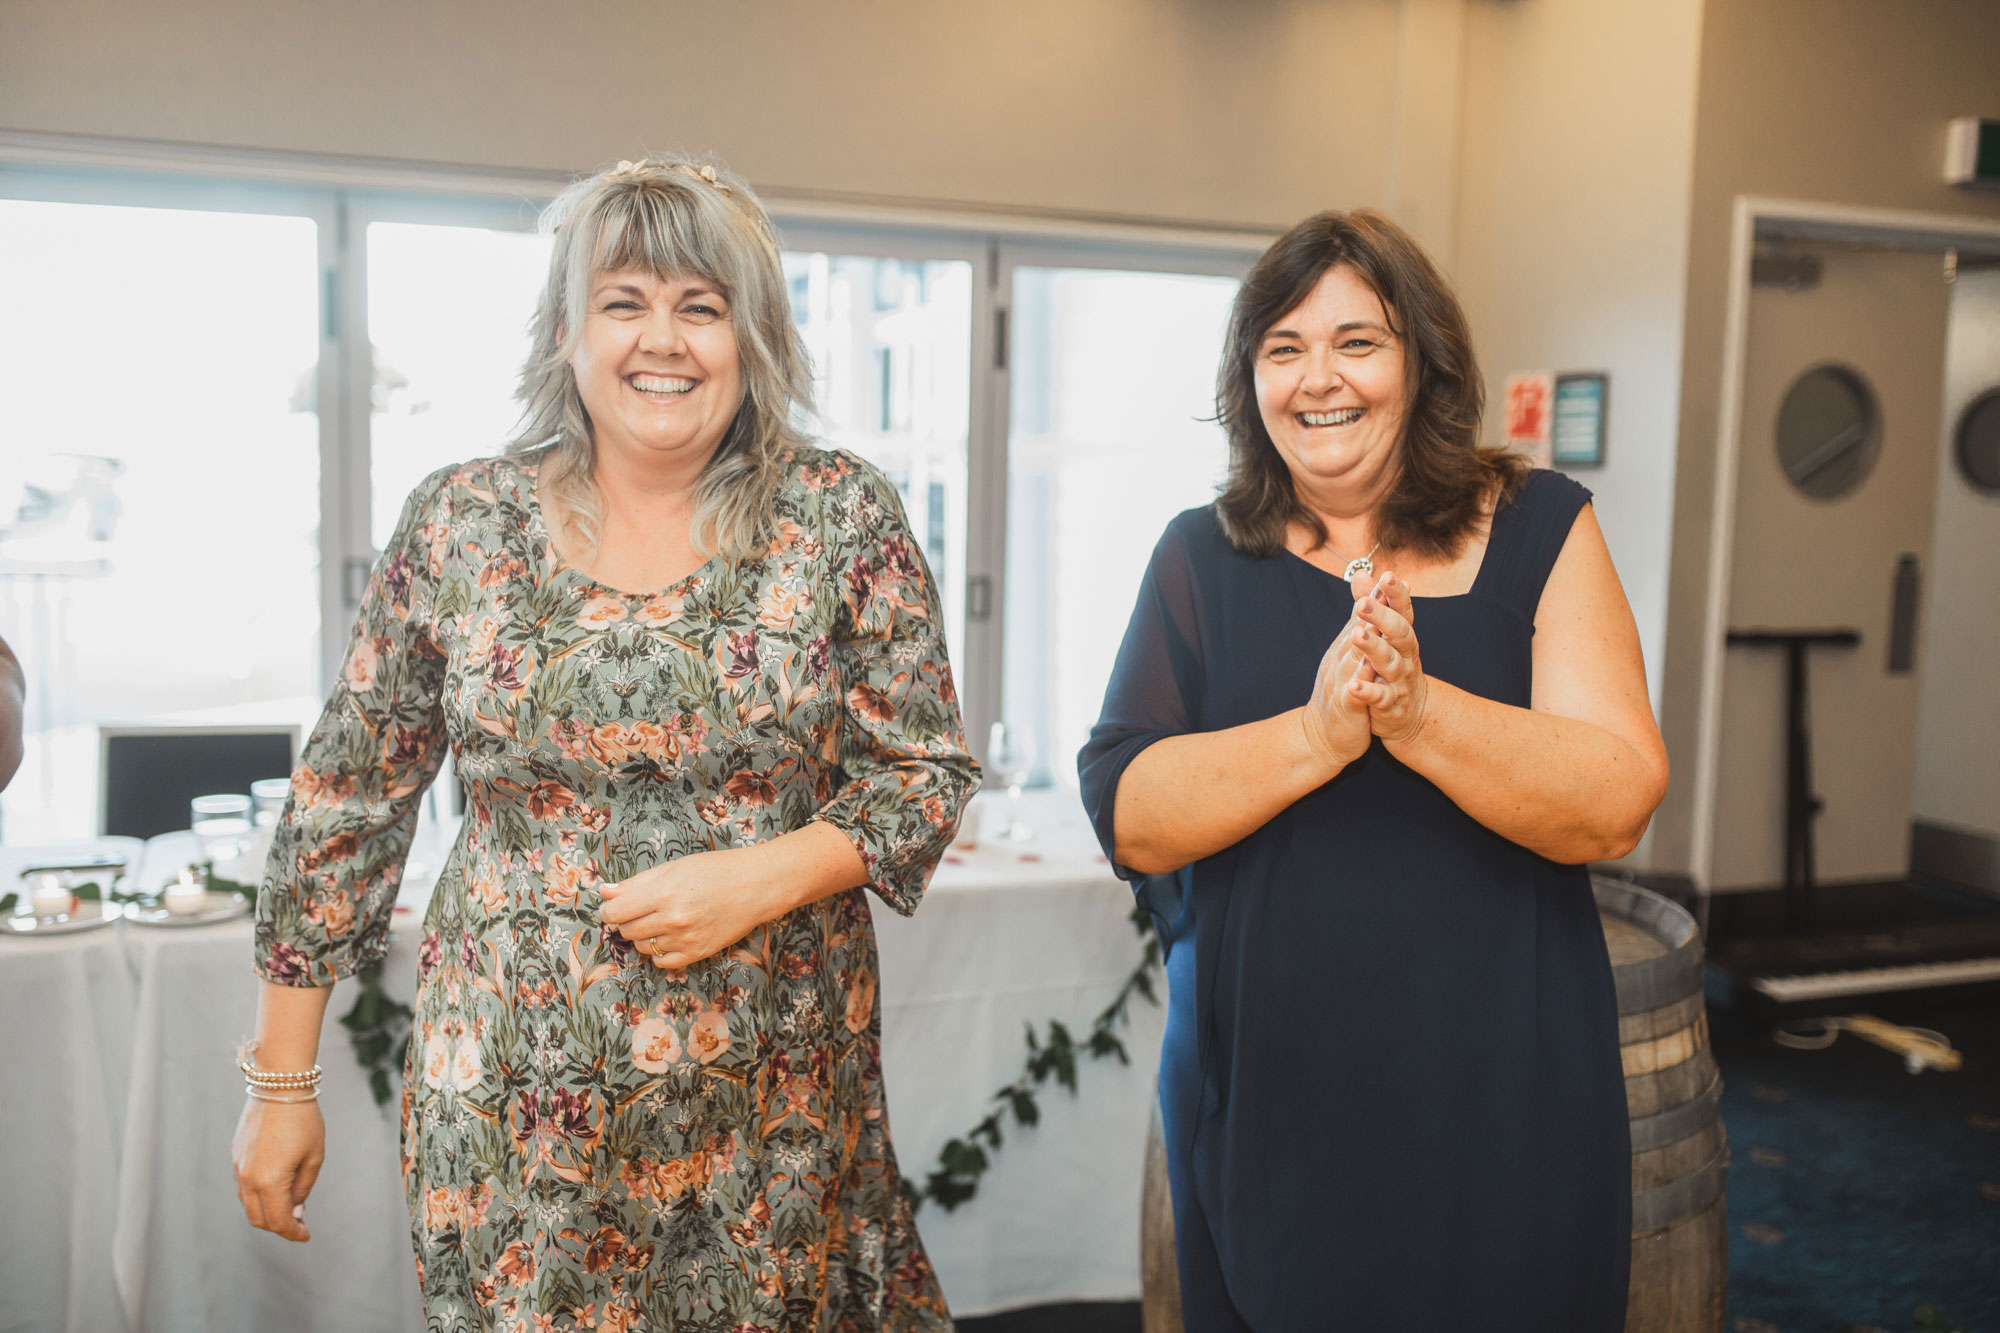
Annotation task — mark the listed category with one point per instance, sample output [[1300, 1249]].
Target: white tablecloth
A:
[[1000, 942], [66, 1006], [1008, 935]]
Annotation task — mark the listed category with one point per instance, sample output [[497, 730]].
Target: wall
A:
[[1958, 718], [1836, 101], [1193, 111], [1577, 154], [1571, 162]]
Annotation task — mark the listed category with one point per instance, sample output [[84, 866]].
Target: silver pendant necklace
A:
[[1356, 568]]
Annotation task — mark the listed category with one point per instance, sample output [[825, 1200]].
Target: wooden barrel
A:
[[1680, 1155], [1159, 1278]]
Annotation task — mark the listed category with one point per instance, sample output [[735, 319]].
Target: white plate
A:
[[218, 907], [89, 915]]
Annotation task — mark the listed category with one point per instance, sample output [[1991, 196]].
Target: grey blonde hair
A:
[[677, 218]]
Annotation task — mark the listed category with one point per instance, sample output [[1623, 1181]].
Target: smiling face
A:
[[1329, 379], [658, 367]]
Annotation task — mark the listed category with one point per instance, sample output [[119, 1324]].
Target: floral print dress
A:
[[590, 1142]]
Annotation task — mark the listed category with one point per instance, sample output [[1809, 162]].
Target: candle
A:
[[51, 898], [185, 896]]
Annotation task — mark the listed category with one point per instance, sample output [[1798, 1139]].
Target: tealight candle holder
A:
[[186, 895], [50, 896]]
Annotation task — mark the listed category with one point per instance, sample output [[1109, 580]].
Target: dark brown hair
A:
[[1444, 473]]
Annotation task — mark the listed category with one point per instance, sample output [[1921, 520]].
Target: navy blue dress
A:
[[1390, 1082]]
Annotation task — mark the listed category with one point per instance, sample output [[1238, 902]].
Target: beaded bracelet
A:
[[282, 1080]]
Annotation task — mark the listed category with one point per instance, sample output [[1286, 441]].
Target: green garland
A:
[[962, 1161], [378, 1026]]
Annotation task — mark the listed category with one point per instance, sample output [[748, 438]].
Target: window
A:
[[890, 341], [226, 392], [1109, 438], [448, 312], [159, 383]]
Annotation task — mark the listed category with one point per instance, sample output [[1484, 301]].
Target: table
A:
[[999, 943], [68, 1007], [1008, 935]]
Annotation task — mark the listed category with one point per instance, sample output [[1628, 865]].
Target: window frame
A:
[[1011, 256], [342, 197]]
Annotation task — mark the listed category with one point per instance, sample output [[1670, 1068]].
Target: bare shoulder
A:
[[1583, 587], [1587, 660]]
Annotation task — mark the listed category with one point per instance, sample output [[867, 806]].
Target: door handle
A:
[[1903, 615]]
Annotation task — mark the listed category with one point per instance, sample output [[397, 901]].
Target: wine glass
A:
[[1010, 754]]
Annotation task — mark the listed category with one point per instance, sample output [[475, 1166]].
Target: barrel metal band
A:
[[1676, 1123], [1666, 1205], [1651, 983]]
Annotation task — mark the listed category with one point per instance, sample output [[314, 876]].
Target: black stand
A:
[[1801, 805]]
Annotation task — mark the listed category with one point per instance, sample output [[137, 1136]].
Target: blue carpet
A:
[[1859, 1192]]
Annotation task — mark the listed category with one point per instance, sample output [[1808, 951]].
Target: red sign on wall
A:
[[1530, 404]]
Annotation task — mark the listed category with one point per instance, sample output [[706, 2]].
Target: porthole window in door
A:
[[1829, 432], [1978, 442]]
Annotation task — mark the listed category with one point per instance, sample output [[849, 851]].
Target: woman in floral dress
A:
[[693, 675]]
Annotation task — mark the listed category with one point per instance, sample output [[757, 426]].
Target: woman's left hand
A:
[[686, 910], [1391, 679]]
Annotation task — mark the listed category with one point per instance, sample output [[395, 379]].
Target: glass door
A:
[[1111, 394]]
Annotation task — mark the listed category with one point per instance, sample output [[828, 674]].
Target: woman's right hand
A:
[[1336, 722], [277, 1153]]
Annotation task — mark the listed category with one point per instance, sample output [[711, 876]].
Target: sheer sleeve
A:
[[337, 856], [908, 773], [1155, 689]]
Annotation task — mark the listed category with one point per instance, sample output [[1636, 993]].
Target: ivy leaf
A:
[[1104, 1042], [376, 1025], [962, 1158], [1026, 1112], [9, 901], [950, 1193], [1063, 1048]]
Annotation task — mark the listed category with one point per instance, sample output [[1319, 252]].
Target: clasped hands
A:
[[1371, 681]]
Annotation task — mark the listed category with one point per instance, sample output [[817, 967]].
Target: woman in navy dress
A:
[[1375, 709]]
